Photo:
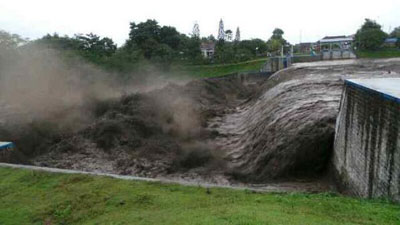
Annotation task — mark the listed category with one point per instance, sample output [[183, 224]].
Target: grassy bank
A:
[[384, 53], [203, 71], [31, 197]]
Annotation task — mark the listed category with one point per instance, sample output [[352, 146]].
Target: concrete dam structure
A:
[[367, 142]]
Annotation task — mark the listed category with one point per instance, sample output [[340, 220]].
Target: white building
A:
[[207, 49]]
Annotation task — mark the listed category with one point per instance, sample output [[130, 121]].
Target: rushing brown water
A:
[[224, 131]]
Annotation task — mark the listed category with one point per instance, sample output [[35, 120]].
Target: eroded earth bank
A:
[[228, 130]]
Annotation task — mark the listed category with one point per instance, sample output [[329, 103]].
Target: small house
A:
[[336, 42], [207, 49], [390, 42]]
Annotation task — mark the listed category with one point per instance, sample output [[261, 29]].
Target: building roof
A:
[[390, 87], [305, 44], [207, 46], [6, 145], [330, 39], [334, 37], [391, 40]]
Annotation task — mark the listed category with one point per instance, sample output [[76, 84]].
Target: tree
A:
[[162, 44], [95, 46], [276, 41], [163, 55], [211, 38], [10, 45], [196, 30], [10, 41], [171, 37], [370, 36], [254, 46], [90, 46], [237, 37], [221, 31], [144, 36], [395, 33], [228, 35], [192, 49], [277, 33], [224, 52], [58, 42]]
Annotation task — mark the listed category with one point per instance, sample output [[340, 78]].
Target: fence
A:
[[338, 54], [249, 76]]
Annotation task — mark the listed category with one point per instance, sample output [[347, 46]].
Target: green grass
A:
[[384, 53], [203, 71], [31, 197]]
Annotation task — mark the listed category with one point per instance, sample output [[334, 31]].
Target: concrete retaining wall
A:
[[338, 54], [274, 64], [367, 143], [306, 58]]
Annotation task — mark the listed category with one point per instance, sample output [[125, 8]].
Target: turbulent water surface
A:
[[226, 131]]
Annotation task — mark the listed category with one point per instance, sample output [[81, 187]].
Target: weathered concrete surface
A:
[[389, 86], [367, 142]]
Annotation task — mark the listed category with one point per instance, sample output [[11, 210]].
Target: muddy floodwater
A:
[[275, 131]]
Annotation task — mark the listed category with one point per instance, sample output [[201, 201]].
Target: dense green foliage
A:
[[276, 42], [150, 43], [370, 36], [151, 47], [91, 47], [382, 53], [395, 33], [31, 197], [162, 44], [239, 51], [9, 41]]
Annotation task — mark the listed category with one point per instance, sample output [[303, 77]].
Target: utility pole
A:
[[291, 51], [300, 36]]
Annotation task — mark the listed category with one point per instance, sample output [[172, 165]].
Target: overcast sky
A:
[[305, 20]]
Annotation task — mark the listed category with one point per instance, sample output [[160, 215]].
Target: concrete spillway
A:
[[288, 130]]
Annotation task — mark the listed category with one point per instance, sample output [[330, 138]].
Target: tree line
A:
[[151, 43], [371, 36]]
